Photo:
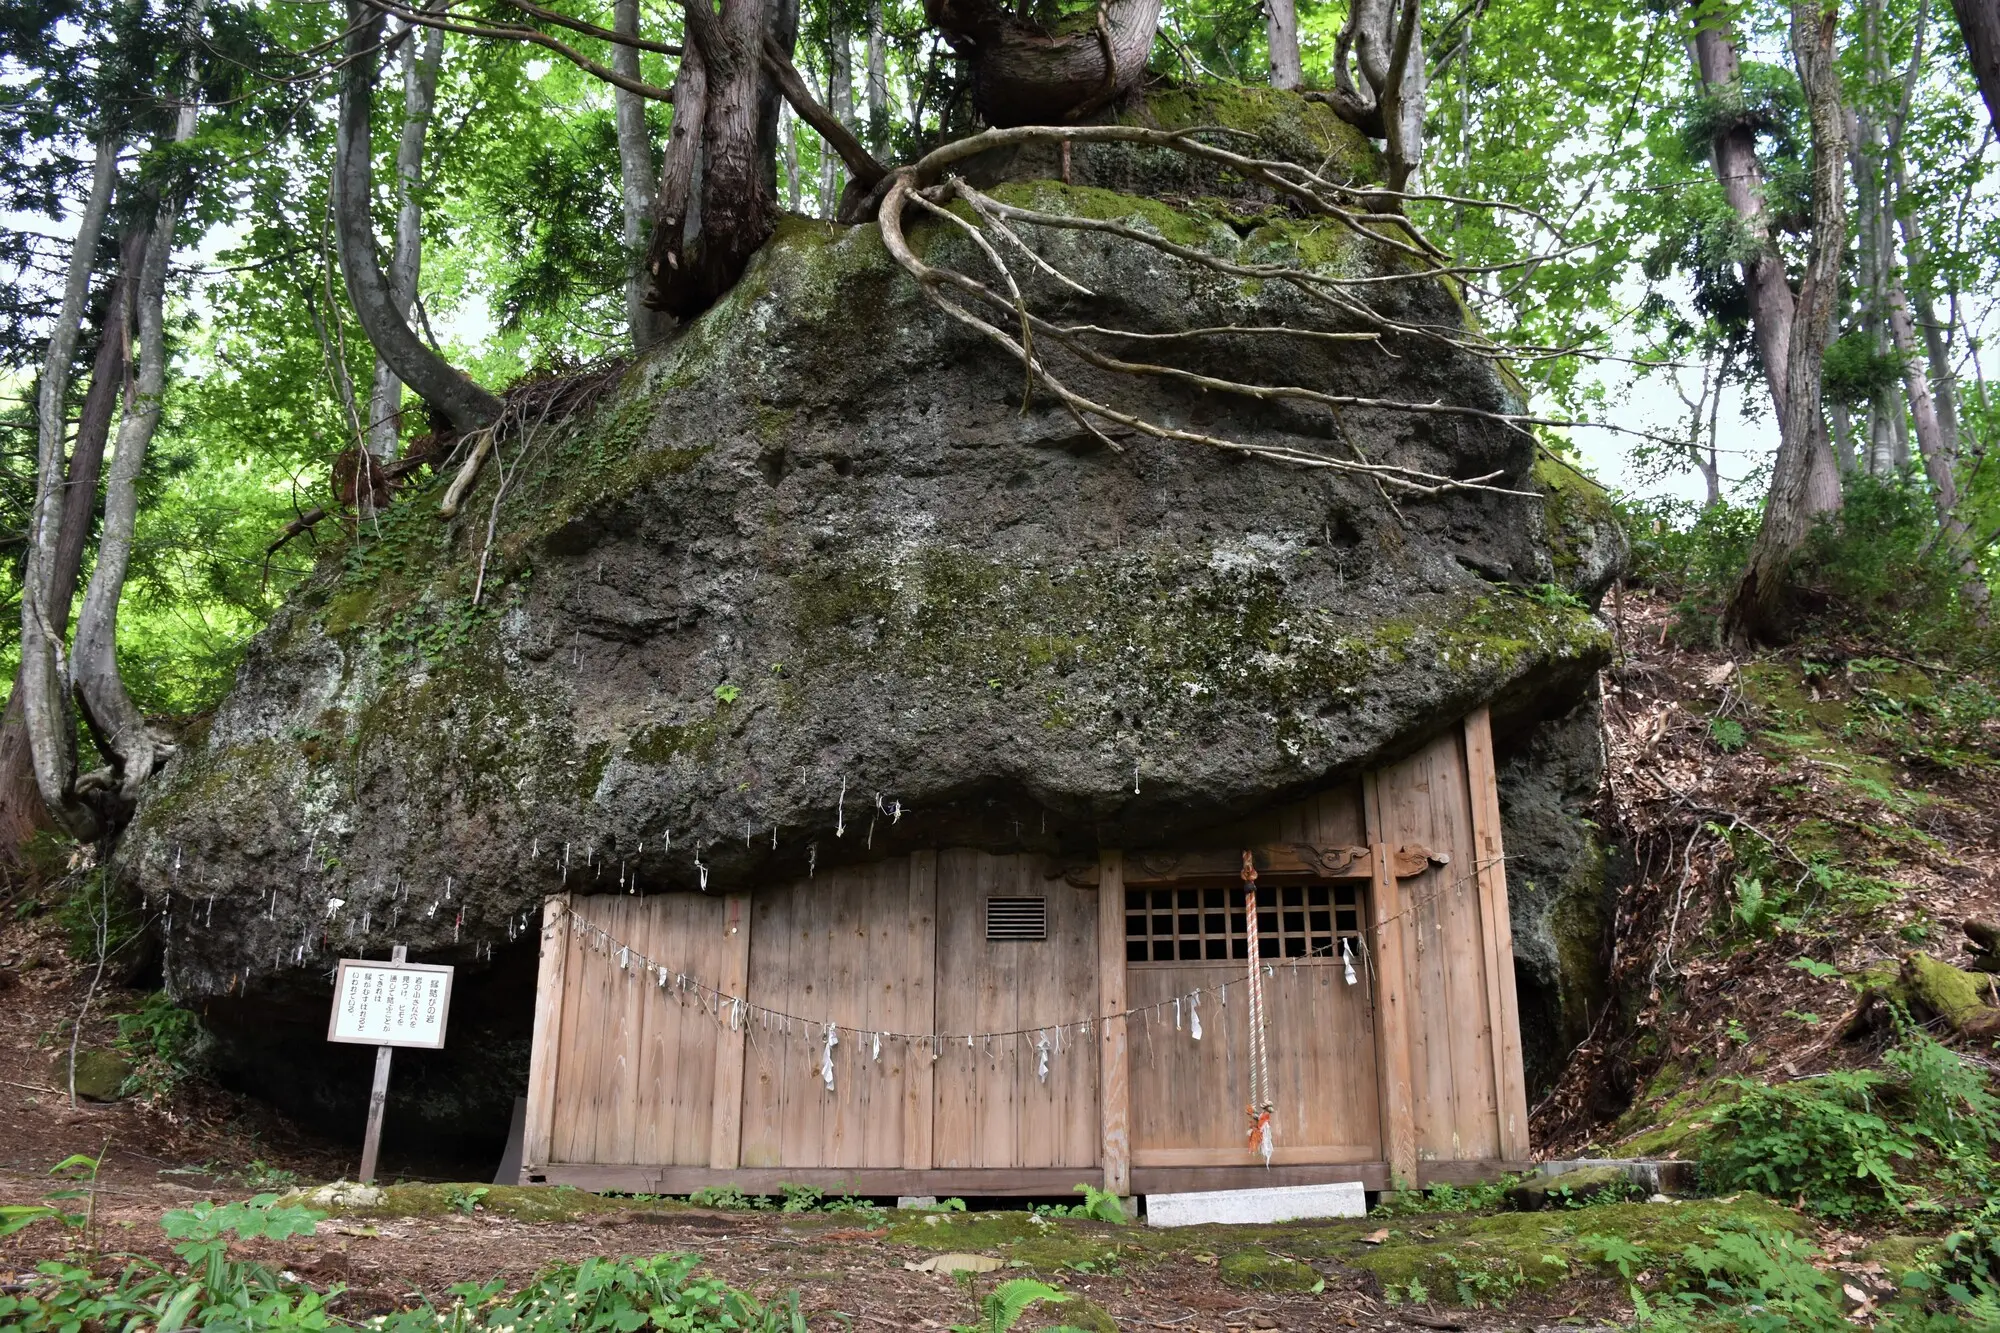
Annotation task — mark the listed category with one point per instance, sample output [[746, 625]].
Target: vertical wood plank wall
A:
[[1420, 1063], [992, 1109], [844, 947], [636, 1083]]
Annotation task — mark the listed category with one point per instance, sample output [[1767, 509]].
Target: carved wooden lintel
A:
[[1282, 860]]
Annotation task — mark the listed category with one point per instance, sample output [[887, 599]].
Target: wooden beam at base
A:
[[1510, 1081], [1009, 1182], [1114, 1082], [881, 1182], [725, 1125], [1472, 1171], [538, 1125]]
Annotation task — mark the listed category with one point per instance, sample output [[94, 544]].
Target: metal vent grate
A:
[[1017, 918]]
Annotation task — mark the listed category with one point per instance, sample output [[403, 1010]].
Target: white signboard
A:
[[390, 1004]]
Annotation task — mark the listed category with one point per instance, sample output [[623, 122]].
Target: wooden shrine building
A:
[[1013, 1024]]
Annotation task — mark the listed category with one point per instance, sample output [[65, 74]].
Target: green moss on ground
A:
[[1045, 1244], [1260, 1270], [522, 1203], [1496, 1255]]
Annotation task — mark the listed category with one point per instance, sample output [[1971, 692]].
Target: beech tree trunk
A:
[[1023, 75], [43, 680], [1281, 39], [116, 723], [1805, 485], [437, 382], [1380, 80], [1741, 176], [637, 179], [423, 56], [22, 814], [718, 191], [1979, 21]]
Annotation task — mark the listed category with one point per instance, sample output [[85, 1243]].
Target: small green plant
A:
[[800, 1198], [726, 1197], [1728, 734], [1480, 1197], [602, 1295], [728, 694], [261, 1176], [81, 1173], [1100, 1204], [466, 1201], [160, 1039], [1413, 1291], [1751, 1278]]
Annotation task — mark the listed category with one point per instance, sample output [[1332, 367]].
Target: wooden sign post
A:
[[386, 1005]]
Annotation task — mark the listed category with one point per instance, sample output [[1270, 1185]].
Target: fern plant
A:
[[1002, 1307]]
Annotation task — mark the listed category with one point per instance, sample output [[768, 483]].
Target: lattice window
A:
[[1207, 925]]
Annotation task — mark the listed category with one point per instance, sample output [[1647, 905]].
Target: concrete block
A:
[[917, 1201], [1282, 1203]]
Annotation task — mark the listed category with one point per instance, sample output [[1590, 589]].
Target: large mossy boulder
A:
[[809, 584]]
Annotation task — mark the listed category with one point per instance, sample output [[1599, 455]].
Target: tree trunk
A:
[[636, 176], [437, 382], [43, 679], [1805, 485], [423, 55], [1380, 80], [115, 722], [718, 194], [1281, 39], [22, 813], [1023, 75], [1742, 180], [878, 81], [1979, 21]]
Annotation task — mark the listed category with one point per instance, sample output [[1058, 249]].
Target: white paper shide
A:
[[390, 1004]]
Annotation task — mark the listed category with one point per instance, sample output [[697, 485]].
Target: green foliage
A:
[[1002, 1307], [162, 1040], [1100, 1205], [1479, 1197], [602, 1295], [467, 1201], [1821, 1140], [1728, 734], [726, 1197], [1753, 1279]]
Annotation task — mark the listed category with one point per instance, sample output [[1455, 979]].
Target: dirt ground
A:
[[203, 1143], [1669, 786]]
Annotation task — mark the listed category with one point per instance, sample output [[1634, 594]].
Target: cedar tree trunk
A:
[[718, 190], [1979, 21], [1023, 75]]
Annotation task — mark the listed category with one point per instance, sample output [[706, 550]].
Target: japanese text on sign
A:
[[390, 1004]]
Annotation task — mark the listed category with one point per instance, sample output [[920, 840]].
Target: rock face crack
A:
[[809, 587]]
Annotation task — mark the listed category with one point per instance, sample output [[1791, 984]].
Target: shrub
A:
[[1819, 1140]]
